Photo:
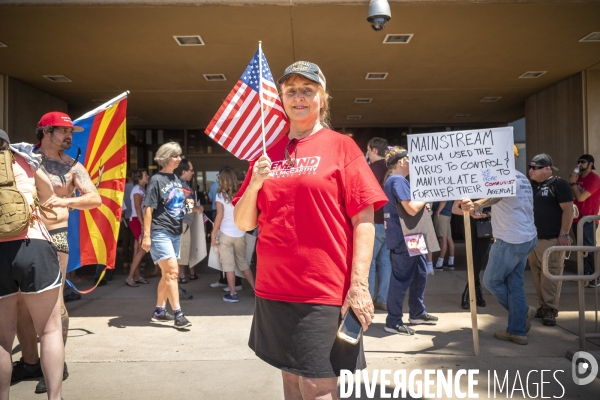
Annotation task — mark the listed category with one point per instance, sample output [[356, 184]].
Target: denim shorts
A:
[[164, 246]]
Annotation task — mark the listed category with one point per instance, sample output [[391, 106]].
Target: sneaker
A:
[[41, 386], [231, 298], [72, 297], [182, 322], [399, 329], [529, 317], [503, 335], [380, 306], [426, 319], [162, 317], [218, 284], [184, 295], [438, 266], [591, 284], [449, 267], [540, 312], [23, 371], [549, 318], [237, 288]]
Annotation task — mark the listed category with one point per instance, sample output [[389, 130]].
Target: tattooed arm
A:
[[89, 197]]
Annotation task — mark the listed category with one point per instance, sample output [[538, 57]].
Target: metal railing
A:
[[582, 251]]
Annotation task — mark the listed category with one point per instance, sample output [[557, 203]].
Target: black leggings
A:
[[481, 247]]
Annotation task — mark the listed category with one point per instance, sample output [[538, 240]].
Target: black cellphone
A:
[[350, 329]]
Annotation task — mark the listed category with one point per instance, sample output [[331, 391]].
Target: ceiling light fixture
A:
[[462, 116], [532, 74], [592, 37], [214, 77], [397, 38], [490, 99], [3, 44], [354, 117], [363, 100], [57, 78], [189, 40], [376, 75]]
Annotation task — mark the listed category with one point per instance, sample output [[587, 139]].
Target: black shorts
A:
[[302, 339], [30, 265]]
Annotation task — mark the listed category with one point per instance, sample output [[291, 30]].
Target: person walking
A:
[[136, 221], [312, 197]]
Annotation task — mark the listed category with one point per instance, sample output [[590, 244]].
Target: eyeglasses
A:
[[289, 162], [535, 167], [582, 161]]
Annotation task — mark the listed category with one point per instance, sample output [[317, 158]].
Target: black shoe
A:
[[426, 319], [41, 386], [591, 284], [162, 317], [183, 295], [102, 283], [182, 322], [22, 371], [72, 297], [479, 295], [400, 330], [464, 302], [549, 318]]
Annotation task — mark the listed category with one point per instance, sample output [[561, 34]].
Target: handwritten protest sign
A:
[[464, 164]]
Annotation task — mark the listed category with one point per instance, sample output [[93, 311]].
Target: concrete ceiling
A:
[[461, 52]]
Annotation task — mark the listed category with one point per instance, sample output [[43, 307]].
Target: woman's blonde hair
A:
[[324, 115], [166, 151], [392, 158], [228, 184]]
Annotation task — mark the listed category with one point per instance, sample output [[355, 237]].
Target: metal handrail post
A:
[[580, 256]]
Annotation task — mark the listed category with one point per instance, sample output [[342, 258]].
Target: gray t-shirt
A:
[[165, 194], [512, 217]]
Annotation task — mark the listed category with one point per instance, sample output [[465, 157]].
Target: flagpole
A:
[[103, 106], [262, 116]]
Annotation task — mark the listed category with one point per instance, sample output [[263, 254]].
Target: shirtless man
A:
[[54, 131]]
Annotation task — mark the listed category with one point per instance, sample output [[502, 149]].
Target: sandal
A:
[[130, 282], [193, 277], [140, 279], [182, 280]]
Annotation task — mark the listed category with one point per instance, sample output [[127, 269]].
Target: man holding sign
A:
[[516, 237]]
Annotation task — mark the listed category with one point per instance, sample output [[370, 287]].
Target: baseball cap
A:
[[543, 160], [589, 158], [56, 118], [307, 69], [4, 136]]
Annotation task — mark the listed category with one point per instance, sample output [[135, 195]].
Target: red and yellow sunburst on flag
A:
[[102, 149]]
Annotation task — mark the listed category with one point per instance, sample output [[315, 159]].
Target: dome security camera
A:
[[379, 13]]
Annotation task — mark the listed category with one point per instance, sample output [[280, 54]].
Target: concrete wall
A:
[[3, 96], [592, 94], [25, 105], [555, 123]]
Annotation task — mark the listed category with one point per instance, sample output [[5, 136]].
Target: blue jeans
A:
[[381, 268], [407, 273], [503, 277], [589, 235]]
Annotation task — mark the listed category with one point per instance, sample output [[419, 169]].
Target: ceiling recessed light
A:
[[398, 38], [462, 116], [189, 40], [354, 117], [214, 77], [532, 74], [363, 100], [3, 44], [376, 75], [490, 99], [57, 78], [592, 37]]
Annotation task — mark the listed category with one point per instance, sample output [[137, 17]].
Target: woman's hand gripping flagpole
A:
[[260, 95]]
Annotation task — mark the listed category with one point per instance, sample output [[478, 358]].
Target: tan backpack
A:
[[16, 214]]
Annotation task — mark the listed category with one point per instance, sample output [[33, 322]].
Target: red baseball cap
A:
[[56, 118]]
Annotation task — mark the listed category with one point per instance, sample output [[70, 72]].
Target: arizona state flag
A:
[[102, 149]]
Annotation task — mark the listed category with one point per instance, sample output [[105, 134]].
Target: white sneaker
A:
[[218, 284], [237, 288]]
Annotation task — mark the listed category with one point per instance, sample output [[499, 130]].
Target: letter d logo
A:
[[583, 363]]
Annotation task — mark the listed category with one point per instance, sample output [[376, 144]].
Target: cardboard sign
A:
[[464, 164]]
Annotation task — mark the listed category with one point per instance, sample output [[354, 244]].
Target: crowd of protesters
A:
[[329, 242]]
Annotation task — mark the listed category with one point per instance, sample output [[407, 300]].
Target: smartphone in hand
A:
[[350, 329]]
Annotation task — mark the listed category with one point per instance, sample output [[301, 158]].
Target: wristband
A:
[[564, 235]]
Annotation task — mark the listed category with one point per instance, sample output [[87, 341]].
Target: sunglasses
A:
[[535, 167], [582, 161], [289, 162]]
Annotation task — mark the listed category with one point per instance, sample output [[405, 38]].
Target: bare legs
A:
[[446, 244], [231, 279], [300, 388], [45, 314], [167, 287], [138, 254]]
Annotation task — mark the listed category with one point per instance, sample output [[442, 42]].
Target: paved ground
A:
[[114, 352]]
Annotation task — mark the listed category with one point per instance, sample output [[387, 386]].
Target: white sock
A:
[[440, 262], [429, 264], [450, 260]]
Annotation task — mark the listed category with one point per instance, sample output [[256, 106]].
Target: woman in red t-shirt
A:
[[312, 196]]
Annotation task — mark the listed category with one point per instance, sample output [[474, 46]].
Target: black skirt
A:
[[302, 339]]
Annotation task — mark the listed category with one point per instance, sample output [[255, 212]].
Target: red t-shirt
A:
[[591, 184], [305, 238]]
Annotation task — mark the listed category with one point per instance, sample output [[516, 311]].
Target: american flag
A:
[[205, 219], [237, 124]]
